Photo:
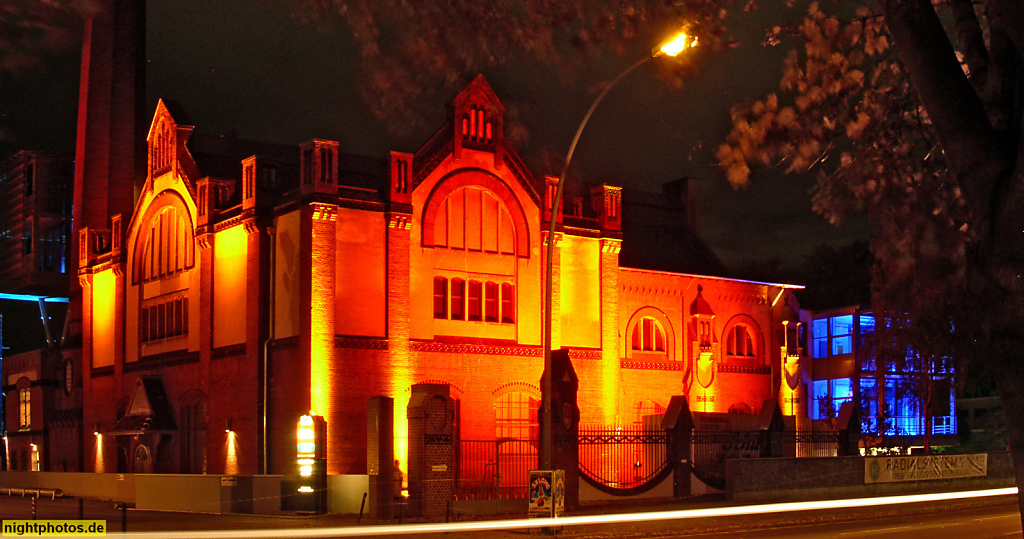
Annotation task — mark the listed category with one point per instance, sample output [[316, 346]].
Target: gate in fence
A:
[[623, 459], [494, 469]]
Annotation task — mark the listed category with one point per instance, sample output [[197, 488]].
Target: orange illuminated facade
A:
[[255, 284]]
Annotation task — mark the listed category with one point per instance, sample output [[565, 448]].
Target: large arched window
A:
[[515, 416], [648, 336], [166, 240]]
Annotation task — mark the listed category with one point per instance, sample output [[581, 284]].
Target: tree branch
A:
[[1009, 15], [975, 152], [969, 31]]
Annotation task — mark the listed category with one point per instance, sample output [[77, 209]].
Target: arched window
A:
[[740, 343], [168, 246], [648, 336], [647, 408], [516, 416]]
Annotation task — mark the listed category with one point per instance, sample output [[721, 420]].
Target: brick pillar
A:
[[611, 342], [399, 360], [431, 416], [257, 283], [380, 457], [678, 424], [318, 291], [565, 415]]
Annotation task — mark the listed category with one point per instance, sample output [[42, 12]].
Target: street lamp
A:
[[672, 47]]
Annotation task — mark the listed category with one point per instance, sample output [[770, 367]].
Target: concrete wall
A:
[[790, 479], [118, 487], [163, 492], [345, 493], [589, 494]]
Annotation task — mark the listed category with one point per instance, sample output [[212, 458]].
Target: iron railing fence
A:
[[809, 443], [622, 457], [494, 469]]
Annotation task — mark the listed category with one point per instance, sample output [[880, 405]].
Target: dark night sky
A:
[[254, 67]]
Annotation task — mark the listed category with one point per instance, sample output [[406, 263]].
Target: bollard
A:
[[361, 506], [124, 515], [81, 509]]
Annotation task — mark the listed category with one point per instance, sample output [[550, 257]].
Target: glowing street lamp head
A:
[[676, 44]]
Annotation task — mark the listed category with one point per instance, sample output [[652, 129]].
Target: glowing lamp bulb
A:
[[677, 44]]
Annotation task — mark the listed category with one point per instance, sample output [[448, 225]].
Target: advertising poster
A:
[[541, 486]]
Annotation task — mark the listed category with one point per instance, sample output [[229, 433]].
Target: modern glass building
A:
[[895, 394]]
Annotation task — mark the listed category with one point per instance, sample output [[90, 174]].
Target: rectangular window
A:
[[819, 334], [440, 297], [24, 409], [458, 299], [184, 316], [475, 300], [648, 335], [144, 324], [161, 320], [30, 173], [491, 302], [508, 303]]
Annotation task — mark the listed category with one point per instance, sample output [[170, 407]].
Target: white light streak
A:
[[491, 525]]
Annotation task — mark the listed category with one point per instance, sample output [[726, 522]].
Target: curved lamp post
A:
[[672, 47]]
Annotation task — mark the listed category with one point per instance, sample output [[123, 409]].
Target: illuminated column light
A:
[[231, 460], [98, 460], [306, 445], [322, 275]]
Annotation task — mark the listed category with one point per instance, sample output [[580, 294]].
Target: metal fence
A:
[[622, 457], [809, 443], [494, 469]]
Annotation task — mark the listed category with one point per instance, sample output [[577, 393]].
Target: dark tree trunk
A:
[[984, 158]]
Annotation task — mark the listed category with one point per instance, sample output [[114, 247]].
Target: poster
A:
[[547, 493]]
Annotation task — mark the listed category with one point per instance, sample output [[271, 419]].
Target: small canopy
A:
[[149, 411]]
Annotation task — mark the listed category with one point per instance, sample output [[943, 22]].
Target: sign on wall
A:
[[924, 467]]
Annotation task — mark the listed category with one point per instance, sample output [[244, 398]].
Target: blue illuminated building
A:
[[893, 395]]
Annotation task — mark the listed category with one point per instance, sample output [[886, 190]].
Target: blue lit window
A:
[[869, 404], [820, 335], [828, 396], [842, 331]]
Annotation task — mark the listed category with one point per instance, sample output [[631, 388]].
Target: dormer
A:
[[318, 166], [478, 118], [166, 141], [606, 201]]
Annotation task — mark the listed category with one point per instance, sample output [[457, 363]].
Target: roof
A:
[[655, 236]]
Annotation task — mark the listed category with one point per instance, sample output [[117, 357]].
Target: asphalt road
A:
[[978, 519]]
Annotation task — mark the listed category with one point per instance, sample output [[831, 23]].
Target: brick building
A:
[[42, 411], [254, 283]]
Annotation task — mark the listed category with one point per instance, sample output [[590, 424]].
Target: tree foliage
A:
[[30, 29], [847, 111], [407, 48]]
